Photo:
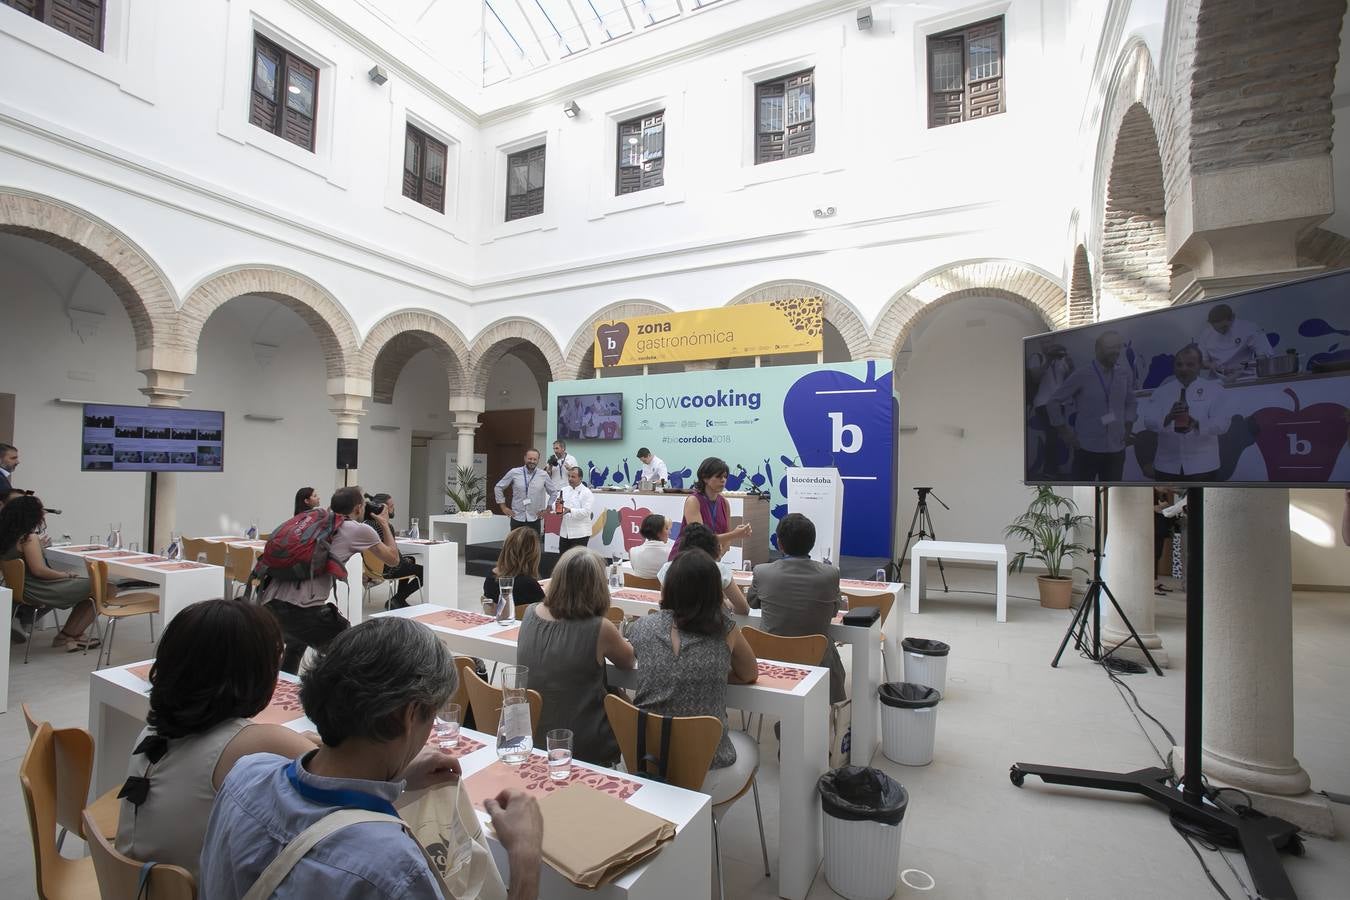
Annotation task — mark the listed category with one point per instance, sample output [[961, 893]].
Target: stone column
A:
[[348, 409], [465, 411], [1128, 569], [164, 388]]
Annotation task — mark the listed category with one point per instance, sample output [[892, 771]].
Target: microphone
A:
[[53, 512]]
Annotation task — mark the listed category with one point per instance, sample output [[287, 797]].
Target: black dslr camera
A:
[[375, 505]]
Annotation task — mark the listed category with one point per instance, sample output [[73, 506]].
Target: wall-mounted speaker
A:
[[346, 453]]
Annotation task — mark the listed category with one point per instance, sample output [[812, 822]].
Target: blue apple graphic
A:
[[865, 407], [677, 479]]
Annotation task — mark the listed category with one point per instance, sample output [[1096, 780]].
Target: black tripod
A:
[[1259, 838], [924, 520], [1092, 602]]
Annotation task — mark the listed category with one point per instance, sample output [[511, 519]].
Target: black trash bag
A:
[[859, 794], [925, 646], [905, 695]]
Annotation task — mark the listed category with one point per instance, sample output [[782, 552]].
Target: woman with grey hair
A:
[[372, 694]]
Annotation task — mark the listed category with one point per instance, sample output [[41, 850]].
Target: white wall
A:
[[1319, 556], [961, 391]]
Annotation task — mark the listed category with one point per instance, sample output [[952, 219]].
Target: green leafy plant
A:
[[1048, 526], [471, 493]]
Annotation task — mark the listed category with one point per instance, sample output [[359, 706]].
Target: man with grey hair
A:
[[372, 694], [1103, 394]]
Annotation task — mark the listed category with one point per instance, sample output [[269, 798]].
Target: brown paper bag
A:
[[591, 837]]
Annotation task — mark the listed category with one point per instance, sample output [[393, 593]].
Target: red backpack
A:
[[299, 549]]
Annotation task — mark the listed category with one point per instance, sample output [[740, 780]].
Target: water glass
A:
[[447, 726], [505, 611], [489, 606], [134, 546], [559, 753], [515, 681], [515, 737], [414, 531], [843, 602], [95, 539], [880, 575], [747, 566]]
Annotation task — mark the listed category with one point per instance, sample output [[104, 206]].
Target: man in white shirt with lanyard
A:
[[1103, 395], [558, 464], [530, 493], [574, 503], [1227, 343], [1188, 413], [653, 468]]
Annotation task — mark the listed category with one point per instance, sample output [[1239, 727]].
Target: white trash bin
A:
[[864, 811], [925, 662], [908, 722]]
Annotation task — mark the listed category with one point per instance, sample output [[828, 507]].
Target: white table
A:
[[119, 702], [991, 553], [7, 604], [178, 588], [440, 571], [464, 530], [803, 712]]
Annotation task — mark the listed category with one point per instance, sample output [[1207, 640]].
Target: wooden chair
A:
[[58, 878], [74, 749], [239, 566], [615, 615], [803, 651], [637, 581], [193, 549], [215, 552], [373, 576], [486, 701], [116, 607], [119, 877], [15, 573], [883, 601], [693, 743]]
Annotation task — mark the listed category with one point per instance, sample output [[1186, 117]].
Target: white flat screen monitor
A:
[[1247, 390], [151, 439]]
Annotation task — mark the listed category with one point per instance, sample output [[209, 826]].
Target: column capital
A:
[[348, 409], [467, 405], [165, 388]]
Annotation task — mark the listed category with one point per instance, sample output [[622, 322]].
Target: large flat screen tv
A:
[[151, 439], [590, 417], [1247, 390]]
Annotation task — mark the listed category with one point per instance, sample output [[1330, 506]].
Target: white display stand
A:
[[818, 494]]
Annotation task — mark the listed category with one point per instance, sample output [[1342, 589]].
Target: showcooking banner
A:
[[760, 421], [754, 329]]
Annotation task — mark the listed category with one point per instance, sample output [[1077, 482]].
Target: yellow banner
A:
[[755, 329]]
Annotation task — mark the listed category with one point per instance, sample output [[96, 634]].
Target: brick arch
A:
[[839, 313], [1082, 302], [1258, 80], [138, 282], [315, 305], [1135, 273], [1008, 279], [400, 336], [523, 337], [579, 360]]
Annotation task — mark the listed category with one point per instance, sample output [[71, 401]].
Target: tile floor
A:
[[967, 826]]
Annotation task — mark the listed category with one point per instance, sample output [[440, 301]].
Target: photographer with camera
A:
[[406, 565], [301, 606]]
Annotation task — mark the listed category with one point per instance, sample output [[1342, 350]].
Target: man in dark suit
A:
[[798, 595], [9, 461]]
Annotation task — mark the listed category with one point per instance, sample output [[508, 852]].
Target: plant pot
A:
[[1056, 593]]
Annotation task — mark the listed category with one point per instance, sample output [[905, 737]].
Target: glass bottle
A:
[[1181, 422]]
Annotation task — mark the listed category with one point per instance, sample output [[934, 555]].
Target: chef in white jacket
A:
[[574, 501], [1188, 414]]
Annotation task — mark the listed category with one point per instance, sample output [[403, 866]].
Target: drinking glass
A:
[[559, 753], [414, 531], [880, 575], [489, 606], [747, 566], [447, 726], [116, 542], [505, 611], [515, 681], [67, 540], [95, 539], [515, 737], [134, 546], [843, 602]]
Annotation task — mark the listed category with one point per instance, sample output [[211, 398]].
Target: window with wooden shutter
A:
[[641, 154], [424, 163], [285, 95], [81, 19], [965, 73], [525, 183], [785, 117]]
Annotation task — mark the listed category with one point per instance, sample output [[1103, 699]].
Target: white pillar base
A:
[[1128, 571], [1309, 811]]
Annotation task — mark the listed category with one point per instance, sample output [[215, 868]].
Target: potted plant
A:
[[1048, 526], [470, 495]]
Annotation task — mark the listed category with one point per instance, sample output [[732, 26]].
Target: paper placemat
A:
[[112, 554], [511, 634], [83, 548], [465, 746], [142, 671], [284, 707], [783, 678], [142, 560], [637, 595], [420, 541], [457, 619], [531, 777], [179, 566]]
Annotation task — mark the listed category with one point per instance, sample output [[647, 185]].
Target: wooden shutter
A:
[[653, 150], [81, 19], [412, 164], [984, 69], [27, 7], [799, 115], [769, 98], [267, 80], [433, 174], [946, 80], [525, 183], [300, 107], [629, 178]]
